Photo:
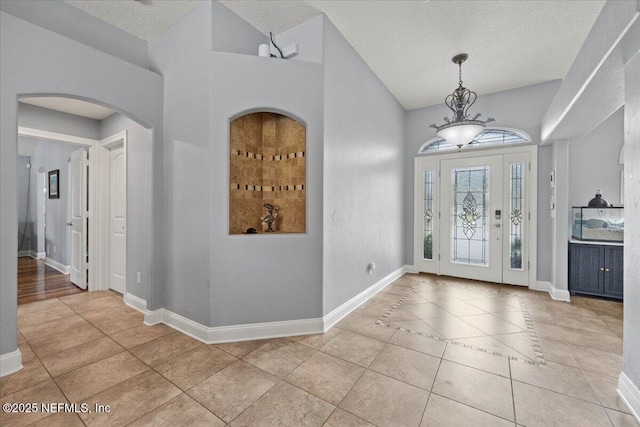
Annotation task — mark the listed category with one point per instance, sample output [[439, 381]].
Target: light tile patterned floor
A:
[[428, 351]]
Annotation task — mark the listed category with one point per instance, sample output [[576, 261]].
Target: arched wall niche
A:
[[267, 167]]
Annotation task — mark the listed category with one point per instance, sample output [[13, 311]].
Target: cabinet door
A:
[[613, 275], [586, 268]]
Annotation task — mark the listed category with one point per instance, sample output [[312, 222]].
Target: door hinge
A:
[[529, 264], [438, 215], [438, 257], [529, 216], [529, 166]]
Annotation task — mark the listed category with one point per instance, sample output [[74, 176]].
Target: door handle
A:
[[70, 224], [496, 225]]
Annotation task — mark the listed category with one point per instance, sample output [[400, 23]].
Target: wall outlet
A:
[[370, 268], [139, 277]]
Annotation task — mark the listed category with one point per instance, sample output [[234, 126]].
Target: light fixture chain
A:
[[460, 73]]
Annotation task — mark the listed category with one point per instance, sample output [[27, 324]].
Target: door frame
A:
[[98, 264], [434, 161]]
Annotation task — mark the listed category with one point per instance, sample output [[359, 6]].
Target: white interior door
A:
[[117, 220], [78, 216], [471, 221]]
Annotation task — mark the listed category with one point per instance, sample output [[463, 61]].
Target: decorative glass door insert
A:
[[469, 215], [516, 217], [427, 250]]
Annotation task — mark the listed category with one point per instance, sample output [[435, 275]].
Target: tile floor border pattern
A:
[[525, 313]]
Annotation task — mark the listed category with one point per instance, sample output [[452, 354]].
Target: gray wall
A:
[[632, 221], [309, 37], [139, 201], [594, 162], [363, 174], [25, 223], [230, 33], [34, 60], [71, 22], [263, 278], [521, 108], [545, 222], [31, 116], [181, 56]]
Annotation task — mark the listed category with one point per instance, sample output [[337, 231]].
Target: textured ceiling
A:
[[272, 15], [70, 106], [409, 44], [145, 19]]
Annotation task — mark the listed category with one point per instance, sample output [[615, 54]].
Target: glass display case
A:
[[598, 224]]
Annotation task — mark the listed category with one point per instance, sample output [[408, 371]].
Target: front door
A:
[[471, 222], [78, 217], [472, 215]]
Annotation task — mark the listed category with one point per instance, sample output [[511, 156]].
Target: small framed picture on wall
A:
[[54, 184]]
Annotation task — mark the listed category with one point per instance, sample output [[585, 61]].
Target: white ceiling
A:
[[71, 106], [409, 44]]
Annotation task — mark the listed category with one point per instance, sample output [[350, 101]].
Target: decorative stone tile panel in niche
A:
[[267, 188], [258, 156], [267, 164]]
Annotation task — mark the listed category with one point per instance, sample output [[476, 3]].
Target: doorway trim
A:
[[98, 229], [436, 160]]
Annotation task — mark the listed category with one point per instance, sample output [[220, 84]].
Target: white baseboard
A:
[[32, 254], [135, 302], [155, 317], [64, 269], [410, 269], [232, 333], [256, 331], [559, 294], [10, 363], [541, 286], [337, 314], [630, 395]]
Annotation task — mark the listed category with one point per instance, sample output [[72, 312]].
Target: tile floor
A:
[[428, 351]]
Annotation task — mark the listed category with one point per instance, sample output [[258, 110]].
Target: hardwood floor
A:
[[37, 281]]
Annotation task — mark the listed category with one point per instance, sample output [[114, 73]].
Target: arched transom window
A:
[[494, 136]]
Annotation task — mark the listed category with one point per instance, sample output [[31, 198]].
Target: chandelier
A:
[[461, 128]]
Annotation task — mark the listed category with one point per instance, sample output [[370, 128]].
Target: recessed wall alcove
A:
[[267, 165]]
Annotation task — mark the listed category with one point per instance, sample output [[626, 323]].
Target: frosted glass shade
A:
[[460, 135]]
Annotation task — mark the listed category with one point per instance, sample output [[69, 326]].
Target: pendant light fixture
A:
[[461, 128]]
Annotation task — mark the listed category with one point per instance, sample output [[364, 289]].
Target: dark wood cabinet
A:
[[596, 270]]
